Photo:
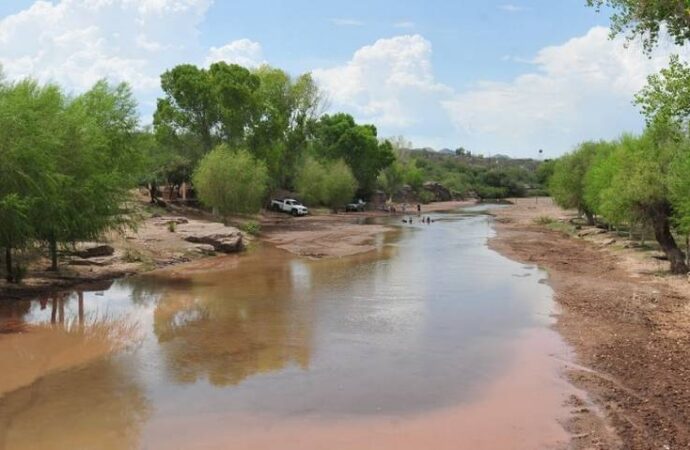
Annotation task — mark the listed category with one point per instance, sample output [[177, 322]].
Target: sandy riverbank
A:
[[334, 235], [628, 322], [153, 245]]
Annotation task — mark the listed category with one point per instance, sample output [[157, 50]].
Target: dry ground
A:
[[627, 320]]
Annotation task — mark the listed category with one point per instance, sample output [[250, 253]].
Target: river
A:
[[431, 341]]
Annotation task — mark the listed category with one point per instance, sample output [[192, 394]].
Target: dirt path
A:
[[629, 326]]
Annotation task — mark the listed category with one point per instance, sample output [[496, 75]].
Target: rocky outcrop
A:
[[225, 243], [441, 193]]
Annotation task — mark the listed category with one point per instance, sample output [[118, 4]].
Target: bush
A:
[[426, 196], [231, 182], [329, 184], [253, 228]]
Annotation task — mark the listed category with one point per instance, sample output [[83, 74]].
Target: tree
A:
[[97, 163], [666, 96], [567, 182], [640, 189], [15, 230], [329, 184], [646, 19], [279, 133], [339, 137], [231, 182], [211, 105], [68, 163]]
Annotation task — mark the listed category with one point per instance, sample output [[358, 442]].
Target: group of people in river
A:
[[392, 209], [427, 220]]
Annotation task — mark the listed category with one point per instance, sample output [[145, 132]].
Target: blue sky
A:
[[492, 76]]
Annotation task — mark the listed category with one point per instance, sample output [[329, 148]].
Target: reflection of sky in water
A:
[[418, 324]]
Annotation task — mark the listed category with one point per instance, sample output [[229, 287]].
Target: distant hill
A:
[[497, 161]]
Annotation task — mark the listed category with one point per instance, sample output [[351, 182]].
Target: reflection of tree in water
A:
[[12, 314], [99, 406], [236, 325]]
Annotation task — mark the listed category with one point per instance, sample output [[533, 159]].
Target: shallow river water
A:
[[432, 341]]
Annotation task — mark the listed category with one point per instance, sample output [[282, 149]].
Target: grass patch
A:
[[545, 220], [253, 228], [562, 227]]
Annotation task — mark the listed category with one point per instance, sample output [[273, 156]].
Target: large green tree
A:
[[339, 137], [286, 107], [68, 162], [208, 106], [647, 18]]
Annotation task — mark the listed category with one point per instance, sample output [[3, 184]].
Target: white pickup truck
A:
[[289, 205]]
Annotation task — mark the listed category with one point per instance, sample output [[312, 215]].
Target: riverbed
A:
[[431, 340]]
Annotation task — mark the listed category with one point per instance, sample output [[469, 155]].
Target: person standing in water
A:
[[419, 209]]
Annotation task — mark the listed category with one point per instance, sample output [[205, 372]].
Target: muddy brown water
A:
[[431, 341]]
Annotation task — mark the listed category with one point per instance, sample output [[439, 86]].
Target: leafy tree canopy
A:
[[647, 18]]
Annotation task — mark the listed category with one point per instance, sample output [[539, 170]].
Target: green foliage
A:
[[426, 197], [567, 184], [666, 97], [67, 162], [637, 180], [329, 184], [263, 110], [545, 171], [231, 182], [339, 137], [544, 220], [646, 19], [251, 227]]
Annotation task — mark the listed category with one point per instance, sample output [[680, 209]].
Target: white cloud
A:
[[77, 42], [347, 22], [391, 84], [579, 90], [242, 51]]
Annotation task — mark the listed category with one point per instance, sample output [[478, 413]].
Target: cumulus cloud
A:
[[389, 83], [77, 42], [244, 52], [579, 90]]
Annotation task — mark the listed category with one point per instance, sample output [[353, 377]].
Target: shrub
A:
[[253, 228], [231, 182], [329, 184]]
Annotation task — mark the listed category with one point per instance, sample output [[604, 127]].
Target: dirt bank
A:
[[628, 322]]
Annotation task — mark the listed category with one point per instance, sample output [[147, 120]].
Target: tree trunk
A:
[[152, 192], [590, 217], [8, 265], [53, 255], [662, 232]]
